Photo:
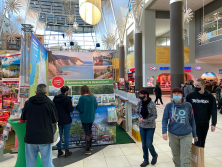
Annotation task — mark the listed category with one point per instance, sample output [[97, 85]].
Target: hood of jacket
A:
[[39, 99], [61, 98]]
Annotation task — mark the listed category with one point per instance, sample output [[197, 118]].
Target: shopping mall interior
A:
[[116, 48]]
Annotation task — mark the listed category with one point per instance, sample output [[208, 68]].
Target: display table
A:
[[20, 130]]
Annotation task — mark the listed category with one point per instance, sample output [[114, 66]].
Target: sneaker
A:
[[154, 160], [163, 105], [91, 149], [144, 164], [87, 152]]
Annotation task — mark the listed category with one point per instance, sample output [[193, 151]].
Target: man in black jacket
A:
[[40, 113], [204, 107], [64, 107]]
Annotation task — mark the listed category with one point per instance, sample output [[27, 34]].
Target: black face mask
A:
[[142, 98], [197, 89]]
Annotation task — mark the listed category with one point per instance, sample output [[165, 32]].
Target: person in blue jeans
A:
[[147, 114], [40, 113], [63, 104]]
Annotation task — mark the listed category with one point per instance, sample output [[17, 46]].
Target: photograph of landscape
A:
[[102, 59], [11, 67], [103, 72], [70, 65]]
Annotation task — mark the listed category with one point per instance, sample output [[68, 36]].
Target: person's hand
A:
[[195, 139], [213, 128], [141, 119], [165, 136]]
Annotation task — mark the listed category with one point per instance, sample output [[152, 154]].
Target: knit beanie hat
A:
[[177, 90]]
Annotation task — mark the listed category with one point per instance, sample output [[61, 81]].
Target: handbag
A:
[[197, 156], [55, 129]]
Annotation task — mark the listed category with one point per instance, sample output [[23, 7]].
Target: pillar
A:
[[138, 61], [121, 61], [176, 43]]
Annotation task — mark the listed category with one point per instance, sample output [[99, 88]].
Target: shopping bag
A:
[[56, 137], [197, 156]]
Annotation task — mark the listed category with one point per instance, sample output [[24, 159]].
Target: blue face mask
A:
[[177, 98]]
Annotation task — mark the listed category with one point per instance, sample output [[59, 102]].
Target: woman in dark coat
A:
[[158, 94]]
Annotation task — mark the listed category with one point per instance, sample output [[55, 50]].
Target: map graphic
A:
[[38, 65]]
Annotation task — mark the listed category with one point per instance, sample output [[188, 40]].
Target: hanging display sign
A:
[[150, 81]]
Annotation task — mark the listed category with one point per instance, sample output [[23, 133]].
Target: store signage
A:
[[150, 81], [152, 68], [187, 69], [132, 69], [197, 68], [164, 68], [58, 82]]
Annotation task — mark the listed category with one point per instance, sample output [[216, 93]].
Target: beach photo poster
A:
[[11, 66], [70, 65]]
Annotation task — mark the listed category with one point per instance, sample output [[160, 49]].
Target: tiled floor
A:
[[131, 155]]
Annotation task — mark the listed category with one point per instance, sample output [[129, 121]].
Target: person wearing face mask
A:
[[63, 104], [146, 113], [204, 107], [178, 119]]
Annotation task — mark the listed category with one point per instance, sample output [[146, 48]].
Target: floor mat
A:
[[121, 136]]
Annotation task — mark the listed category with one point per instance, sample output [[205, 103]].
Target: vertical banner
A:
[[38, 65], [94, 69]]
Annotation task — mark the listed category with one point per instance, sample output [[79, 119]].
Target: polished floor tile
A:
[[101, 162], [119, 161]]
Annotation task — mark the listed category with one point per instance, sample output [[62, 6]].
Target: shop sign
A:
[[187, 69], [132, 69], [164, 68], [58, 82], [152, 68], [197, 68], [150, 81]]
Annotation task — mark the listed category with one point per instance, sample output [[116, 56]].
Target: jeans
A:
[[147, 142], [31, 152], [66, 129], [202, 130], [181, 149], [88, 134]]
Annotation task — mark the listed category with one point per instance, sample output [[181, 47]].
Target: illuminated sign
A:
[[164, 68], [197, 68], [168, 68], [152, 68]]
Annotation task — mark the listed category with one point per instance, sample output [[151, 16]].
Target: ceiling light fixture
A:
[[90, 11]]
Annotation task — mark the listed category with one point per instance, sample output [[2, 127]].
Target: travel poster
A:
[[11, 66], [10, 89], [103, 132], [38, 65], [112, 116], [150, 81], [70, 65]]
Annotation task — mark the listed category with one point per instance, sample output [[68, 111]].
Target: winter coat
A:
[[40, 113]]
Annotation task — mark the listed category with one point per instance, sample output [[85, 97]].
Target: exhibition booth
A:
[[22, 72]]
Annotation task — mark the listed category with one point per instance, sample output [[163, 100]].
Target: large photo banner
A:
[[38, 65], [94, 69]]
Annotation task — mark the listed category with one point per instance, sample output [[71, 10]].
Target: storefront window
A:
[[213, 23]]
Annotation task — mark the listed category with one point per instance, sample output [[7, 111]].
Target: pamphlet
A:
[[76, 99], [15, 111], [111, 98], [98, 99], [24, 92], [2, 141], [104, 99], [112, 116]]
